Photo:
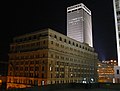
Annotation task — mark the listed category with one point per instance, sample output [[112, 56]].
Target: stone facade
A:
[[48, 57]]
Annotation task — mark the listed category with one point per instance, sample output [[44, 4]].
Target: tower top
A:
[[78, 6]]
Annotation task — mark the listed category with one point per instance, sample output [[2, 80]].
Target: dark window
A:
[[37, 62], [55, 36], [118, 12], [64, 40], [118, 71], [51, 75], [69, 11], [60, 39], [80, 46], [42, 75], [83, 47], [76, 45], [73, 43], [51, 42], [29, 38], [42, 68], [69, 42], [34, 37], [26, 68], [44, 42], [36, 68], [57, 75]]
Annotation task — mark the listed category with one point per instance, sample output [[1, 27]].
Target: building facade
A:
[[48, 57], [106, 71], [3, 81], [79, 23], [117, 74], [116, 4]]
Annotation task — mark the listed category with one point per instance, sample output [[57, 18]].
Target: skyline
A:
[[29, 16]]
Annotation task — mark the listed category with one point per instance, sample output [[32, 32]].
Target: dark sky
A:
[[26, 16]]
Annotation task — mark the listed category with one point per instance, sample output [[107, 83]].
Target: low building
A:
[[106, 71], [3, 81], [48, 57]]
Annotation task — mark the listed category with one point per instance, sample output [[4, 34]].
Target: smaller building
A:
[[3, 80], [117, 74], [106, 71]]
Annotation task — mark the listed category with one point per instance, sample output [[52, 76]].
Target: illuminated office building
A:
[[48, 57], [106, 71], [79, 23], [3, 80], [116, 4]]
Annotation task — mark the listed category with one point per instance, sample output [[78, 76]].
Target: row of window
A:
[[33, 56], [32, 37], [60, 69], [76, 45], [29, 46], [42, 55], [32, 82], [28, 74], [31, 68]]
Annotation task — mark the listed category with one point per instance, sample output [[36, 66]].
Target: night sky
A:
[[25, 16]]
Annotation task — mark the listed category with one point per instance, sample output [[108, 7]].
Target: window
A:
[[51, 75], [69, 42], [57, 44], [29, 38], [73, 43], [44, 42], [26, 68], [36, 68], [42, 75], [60, 39], [31, 62], [76, 45], [57, 75], [34, 37], [83, 47], [43, 68], [50, 35], [31, 68], [37, 62], [80, 46], [118, 71], [65, 40], [118, 12], [55, 37], [51, 42], [51, 55]]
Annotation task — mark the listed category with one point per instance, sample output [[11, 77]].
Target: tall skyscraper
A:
[[79, 24], [116, 4]]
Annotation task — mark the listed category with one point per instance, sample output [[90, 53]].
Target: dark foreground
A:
[[72, 87], [96, 89]]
